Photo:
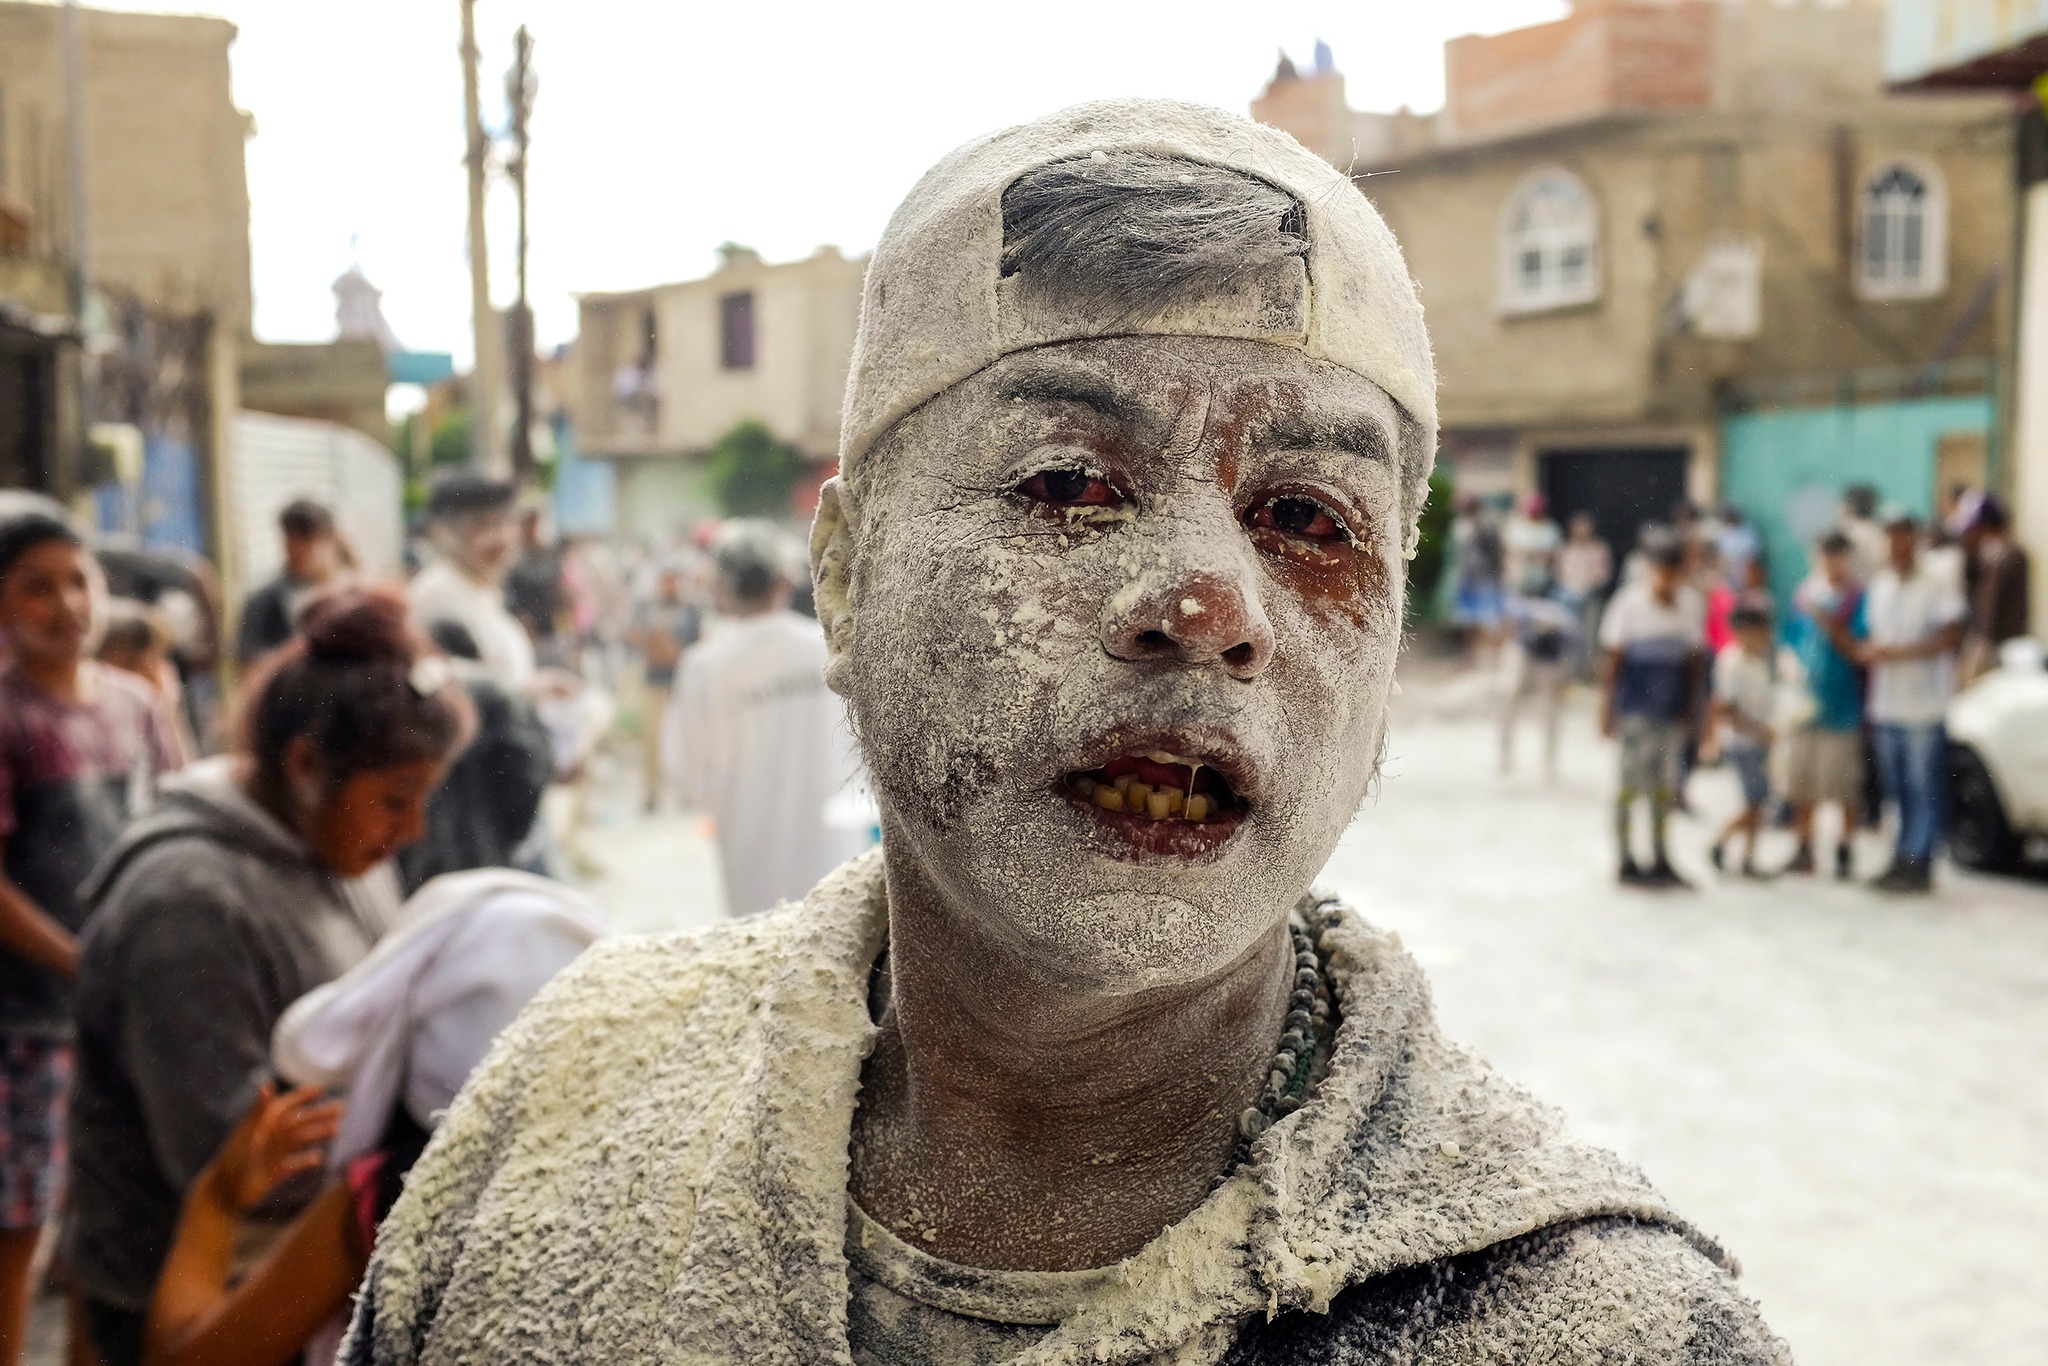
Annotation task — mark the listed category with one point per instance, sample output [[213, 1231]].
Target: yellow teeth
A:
[[1142, 799]]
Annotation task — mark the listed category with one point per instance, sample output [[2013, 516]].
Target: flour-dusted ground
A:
[[1852, 1092]]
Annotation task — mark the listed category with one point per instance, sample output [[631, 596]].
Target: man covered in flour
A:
[[1074, 1068]]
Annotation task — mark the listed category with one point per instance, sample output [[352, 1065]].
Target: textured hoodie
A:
[[209, 918], [652, 1167]]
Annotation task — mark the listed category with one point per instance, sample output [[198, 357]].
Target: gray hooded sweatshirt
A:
[[652, 1167], [209, 919]]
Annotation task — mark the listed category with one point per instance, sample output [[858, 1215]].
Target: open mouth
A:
[[1163, 802]]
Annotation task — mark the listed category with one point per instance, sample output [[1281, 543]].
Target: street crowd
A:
[[1837, 698], [249, 954]]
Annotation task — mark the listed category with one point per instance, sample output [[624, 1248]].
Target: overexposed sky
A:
[[663, 129]]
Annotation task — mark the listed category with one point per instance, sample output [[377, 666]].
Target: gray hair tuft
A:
[[1125, 234]]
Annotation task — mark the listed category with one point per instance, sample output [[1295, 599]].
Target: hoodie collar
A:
[[202, 798], [1411, 1150]]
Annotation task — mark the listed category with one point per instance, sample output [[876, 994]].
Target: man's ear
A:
[[832, 536]]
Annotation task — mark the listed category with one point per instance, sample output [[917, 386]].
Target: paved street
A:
[[1850, 1092]]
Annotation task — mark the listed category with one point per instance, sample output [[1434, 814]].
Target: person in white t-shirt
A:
[[754, 739], [1653, 636], [1915, 619]]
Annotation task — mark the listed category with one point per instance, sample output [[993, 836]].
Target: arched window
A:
[[1902, 252], [1549, 244]]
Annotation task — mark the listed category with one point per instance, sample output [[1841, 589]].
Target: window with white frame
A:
[[1902, 247], [1549, 244]]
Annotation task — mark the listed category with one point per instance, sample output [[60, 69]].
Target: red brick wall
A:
[[1615, 56], [1661, 55]]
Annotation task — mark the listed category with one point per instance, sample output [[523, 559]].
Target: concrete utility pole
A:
[[487, 446], [80, 277], [519, 91]]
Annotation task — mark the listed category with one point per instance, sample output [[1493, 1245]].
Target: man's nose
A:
[[1196, 618]]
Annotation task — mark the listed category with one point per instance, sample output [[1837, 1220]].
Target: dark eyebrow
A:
[[1067, 386], [1361, 436]]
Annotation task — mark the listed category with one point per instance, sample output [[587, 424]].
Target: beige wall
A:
[[338, 381], [1667, 185], [805, 314], [166, 197]]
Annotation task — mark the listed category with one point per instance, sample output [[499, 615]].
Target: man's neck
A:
[[61, 676], [1024, 1124], [487, 582]]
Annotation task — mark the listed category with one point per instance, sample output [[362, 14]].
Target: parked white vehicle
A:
[[1998, 760]]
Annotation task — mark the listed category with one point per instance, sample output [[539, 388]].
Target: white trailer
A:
[[277, 459]]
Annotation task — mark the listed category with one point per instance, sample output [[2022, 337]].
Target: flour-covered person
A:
[[1075, 1068]]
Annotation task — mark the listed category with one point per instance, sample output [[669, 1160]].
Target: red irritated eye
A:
[[1070, 488], [1302, 518]]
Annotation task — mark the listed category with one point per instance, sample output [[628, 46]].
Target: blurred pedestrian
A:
[[1857, 519], [664, 628], [81, 746], [396, 1035], [1996, 583], [1543, 632], [1740, 728], [1824, 742], [1477, 554], [1585, 567], [487, 812], [1740, 548], [1915, 620], [471, 522], [535, 593], [136, 642], [753, 737], [1718, 593], [1654, 637], [256, 878], [314, 560], [1529, 542]]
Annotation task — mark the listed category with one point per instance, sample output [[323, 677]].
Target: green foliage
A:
[[1427, 568], [448, 443], [752, 473]]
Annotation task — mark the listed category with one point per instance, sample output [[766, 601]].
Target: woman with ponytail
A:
[[258, 877]]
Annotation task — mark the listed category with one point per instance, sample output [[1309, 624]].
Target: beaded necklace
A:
[[1305, 1035]]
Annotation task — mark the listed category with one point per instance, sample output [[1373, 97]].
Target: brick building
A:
[[1696, 249]]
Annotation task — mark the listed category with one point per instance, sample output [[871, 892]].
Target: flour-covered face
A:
[[1118, 620]]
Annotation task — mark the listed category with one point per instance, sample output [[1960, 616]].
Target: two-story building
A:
[[664, 372], [1696, 250]]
